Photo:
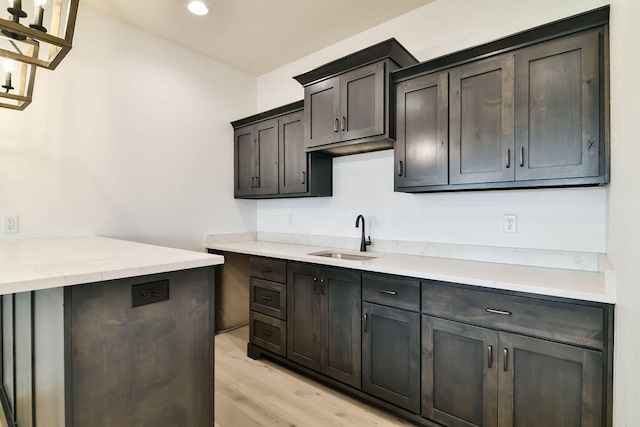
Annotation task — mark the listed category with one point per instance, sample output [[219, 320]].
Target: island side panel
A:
[[49, 397], [148, 365]]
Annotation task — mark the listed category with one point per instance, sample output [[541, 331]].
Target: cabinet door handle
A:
[[508, 158], [323, 287], [266, 298], [506, 360], [494, 311], [522, 156], [344, 123], [336, 125], [364, 322], [490, 356], [252, 184], [399, 167], [315, 286], [302, 177], [257, 182], [384, 291]]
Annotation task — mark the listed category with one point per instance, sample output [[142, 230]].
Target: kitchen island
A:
[[104, 332]]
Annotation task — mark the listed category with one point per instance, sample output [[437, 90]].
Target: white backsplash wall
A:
[[560, 219]]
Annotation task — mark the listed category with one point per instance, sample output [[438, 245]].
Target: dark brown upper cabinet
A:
[[270, 160], [348, 101], [422, 144], [526, 111], [558, 108], [256, 149], [481, 121]]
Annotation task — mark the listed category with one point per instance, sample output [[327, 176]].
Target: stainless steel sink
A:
[[342, 255]]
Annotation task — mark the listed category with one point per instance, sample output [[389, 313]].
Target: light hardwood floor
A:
[[261, 393]]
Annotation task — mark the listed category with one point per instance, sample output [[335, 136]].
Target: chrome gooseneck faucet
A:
[[363, 243]]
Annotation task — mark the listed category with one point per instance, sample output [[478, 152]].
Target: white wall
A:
[[563, 219], [128, 138], [624, 206]]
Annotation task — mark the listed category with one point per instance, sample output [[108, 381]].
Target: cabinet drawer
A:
[[274, 270], [559, 321], [392, 291], [268, 298], [268, 333]]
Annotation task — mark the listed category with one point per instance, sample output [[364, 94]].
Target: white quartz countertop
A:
[[574, 284], [32, 264]]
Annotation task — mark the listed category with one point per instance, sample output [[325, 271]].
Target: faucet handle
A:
[[368, 241]]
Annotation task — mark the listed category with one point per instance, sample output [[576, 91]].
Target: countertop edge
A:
[[550, 282]]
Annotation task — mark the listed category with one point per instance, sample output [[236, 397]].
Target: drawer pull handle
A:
[[384, 291], [265, 270], [490, 356], [266, 333], [506, 360], [266, 298], [502, 312]]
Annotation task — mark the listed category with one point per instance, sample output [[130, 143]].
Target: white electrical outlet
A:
[[10, 224], [510, 223]]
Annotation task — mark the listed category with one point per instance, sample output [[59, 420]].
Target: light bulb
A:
[[198, 8], [8, 66], [40, 3]]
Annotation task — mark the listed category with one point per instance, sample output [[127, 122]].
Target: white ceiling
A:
[[256, 36]]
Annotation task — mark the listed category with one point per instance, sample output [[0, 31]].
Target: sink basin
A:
[[342, 255]]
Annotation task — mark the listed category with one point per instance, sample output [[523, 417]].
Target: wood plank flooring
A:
[[261, 393]]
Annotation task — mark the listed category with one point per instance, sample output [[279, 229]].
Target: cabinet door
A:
[[422, 134], [304, 316], [293, 157], [543, 383], [362, 98], [391, 355], [321, 111], [266, 157], [341, 291], [482, 132], [244, 142], [557, 108], [459, 373]]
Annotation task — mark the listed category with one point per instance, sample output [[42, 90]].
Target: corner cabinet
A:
[[530, 117], [348, 101], [270, 160]]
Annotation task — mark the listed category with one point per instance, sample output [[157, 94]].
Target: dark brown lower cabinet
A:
[[391, 355], [323, 321], [475, 376]]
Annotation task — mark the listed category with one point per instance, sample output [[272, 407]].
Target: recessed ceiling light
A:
[[198, 8]]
